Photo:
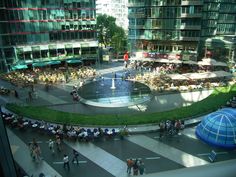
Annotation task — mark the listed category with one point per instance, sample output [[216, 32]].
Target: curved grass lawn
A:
[[218, 98]]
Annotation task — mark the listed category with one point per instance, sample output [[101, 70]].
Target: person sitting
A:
[[76, 97]]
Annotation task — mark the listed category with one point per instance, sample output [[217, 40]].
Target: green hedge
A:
[[218, 98]]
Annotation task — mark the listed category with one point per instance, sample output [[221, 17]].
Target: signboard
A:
[[106, 58]]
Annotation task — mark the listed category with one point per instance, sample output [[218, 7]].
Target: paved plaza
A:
[[106, 157]]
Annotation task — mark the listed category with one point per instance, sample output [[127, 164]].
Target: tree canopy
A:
[[109, 34]]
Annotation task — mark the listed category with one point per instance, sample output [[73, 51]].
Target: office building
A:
[[34, 31], [174, 26]]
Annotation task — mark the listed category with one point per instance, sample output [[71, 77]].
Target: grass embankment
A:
[[217, 99]]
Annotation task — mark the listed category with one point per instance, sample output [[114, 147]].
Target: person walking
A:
[[141, 168], [129, 165], [51, 146], [75, 157], [66, 162], [37, 152], [58, 142], [135, 168]]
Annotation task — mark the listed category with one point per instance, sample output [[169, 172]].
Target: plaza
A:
[[117, 88], [107, 156]]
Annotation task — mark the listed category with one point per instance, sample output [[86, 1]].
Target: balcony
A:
[[136, 4], [137, 15], [132, 37], [136, 26], [226, 21], [186, 3], [191, 27], [182, 38], [197, 15]]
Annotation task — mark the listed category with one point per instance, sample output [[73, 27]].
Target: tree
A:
[[119, 40], [109, 34]]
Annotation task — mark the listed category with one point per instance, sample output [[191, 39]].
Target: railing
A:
[[195, 27], [185, 3]]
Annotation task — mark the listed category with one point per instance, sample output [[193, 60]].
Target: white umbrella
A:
[[190, 62], [177, 77], [211, 62]]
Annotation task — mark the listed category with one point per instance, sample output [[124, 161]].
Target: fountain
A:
[[113, 84], [114, 92]]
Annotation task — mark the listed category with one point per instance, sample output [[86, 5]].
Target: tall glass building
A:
[[34, 31], [173, 26], [218, 29]]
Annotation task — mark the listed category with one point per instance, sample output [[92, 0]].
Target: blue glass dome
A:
[[219, 128]]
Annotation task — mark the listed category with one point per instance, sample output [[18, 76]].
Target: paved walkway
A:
[[57, 98], [21, 155], [102, 158], [171, 153]]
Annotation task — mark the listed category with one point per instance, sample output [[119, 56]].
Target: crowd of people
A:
[[26, 78], [135, 165]]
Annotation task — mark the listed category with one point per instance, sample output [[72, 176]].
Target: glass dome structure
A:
[[219, 128]]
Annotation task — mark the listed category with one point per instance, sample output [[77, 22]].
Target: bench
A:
[[212, 156]]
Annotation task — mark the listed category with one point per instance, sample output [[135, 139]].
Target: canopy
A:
[[40, 64], [54, 62], [19, 67], [168, 61], [177, 77], [73, 61], [211, 62], [206, 75], [45, 63], [190, 62]]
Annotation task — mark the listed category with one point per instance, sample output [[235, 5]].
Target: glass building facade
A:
[[218, 29], [34, 31], [178, 25]]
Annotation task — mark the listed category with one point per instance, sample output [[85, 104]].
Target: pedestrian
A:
[[58, 142], [129, 165], [37, 152], [135, 168], [16, 94], [30, 96], [75, 157], [141, 168], [51, 146], [66, 162], [31, 149], [162, 129]]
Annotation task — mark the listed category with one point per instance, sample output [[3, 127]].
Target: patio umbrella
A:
[[177, 77], [190, 62], [206, 75], [211, 62]]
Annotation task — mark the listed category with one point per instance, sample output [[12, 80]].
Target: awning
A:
[[177, 77], [190, 62], [206, 75], [53, 62], [40, 64], [46, 63], [211, 62], [19, 67], [73, 60]]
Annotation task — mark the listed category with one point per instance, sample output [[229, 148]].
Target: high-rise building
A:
[[174, 26], [33, 31], [218, 29], [114, 8]]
